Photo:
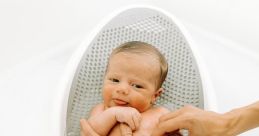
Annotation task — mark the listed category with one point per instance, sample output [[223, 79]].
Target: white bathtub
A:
[[30, 94]]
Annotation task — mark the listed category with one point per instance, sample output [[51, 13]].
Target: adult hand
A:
[[86, 129], [197, 121]]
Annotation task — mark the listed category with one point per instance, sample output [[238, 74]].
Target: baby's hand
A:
[[128, 115]]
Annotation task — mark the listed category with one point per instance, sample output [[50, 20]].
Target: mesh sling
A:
[[182, 85]]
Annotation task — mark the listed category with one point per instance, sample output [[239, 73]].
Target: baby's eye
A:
[[114, 80], [137, 86]]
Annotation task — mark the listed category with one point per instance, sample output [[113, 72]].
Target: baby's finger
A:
[[136, 120], [130, 123], [125, 130]]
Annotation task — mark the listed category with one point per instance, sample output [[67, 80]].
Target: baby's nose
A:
[[123, 89]]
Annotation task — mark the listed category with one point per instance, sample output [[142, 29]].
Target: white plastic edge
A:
[[60, 107]]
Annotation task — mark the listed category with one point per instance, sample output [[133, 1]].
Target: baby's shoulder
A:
[[155, 112], [160, 110]]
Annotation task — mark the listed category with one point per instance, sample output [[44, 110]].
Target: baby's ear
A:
[[157, 94]]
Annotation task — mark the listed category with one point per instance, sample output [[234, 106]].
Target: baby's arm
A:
[[102, 121], [121, 129], [149, 122]]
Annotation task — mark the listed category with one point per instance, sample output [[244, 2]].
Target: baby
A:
[[132, 83]]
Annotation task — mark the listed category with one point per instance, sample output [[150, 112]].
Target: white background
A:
[[34, 26], [38, 37]]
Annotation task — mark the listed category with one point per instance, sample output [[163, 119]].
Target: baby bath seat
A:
[[186, 82]]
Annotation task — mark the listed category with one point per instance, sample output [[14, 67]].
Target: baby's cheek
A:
[[106, 96], [141, 105]]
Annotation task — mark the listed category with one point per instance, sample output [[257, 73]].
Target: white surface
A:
[[28, 94], [29, 27], [233, 69], [27, 90], [38, 37]]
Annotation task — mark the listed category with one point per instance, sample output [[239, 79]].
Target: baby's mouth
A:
[[120, 102]]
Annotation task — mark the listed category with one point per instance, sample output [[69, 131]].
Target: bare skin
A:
[[129, 91], [123, 121], [131, 85], [86, 129], [200, 122]]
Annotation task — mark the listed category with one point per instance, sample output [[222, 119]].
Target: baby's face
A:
[[131, 80]]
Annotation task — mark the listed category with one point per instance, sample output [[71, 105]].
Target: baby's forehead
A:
[[136, 55], [150, 60]]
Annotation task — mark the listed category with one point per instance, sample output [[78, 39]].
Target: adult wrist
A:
[[222, 124], [233, 120]]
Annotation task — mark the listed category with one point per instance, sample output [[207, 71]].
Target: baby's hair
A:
[[137, 47]]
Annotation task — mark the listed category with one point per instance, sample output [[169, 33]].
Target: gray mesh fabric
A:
[[182, 85]]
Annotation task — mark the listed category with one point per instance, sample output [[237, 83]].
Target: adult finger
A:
[[171, 125], [171, 115], [179, 112]]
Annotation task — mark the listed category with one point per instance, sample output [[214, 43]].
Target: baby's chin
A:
[[120, 105], [106, 106]]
